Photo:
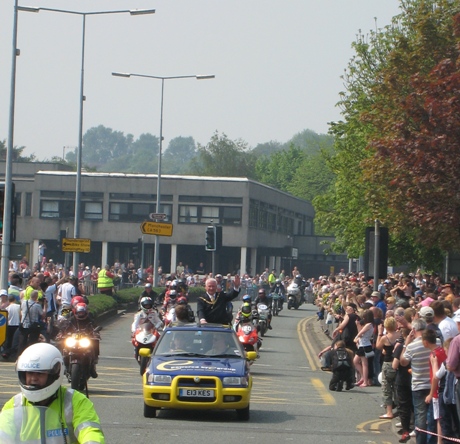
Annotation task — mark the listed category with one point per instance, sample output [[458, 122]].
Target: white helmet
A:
[[40, 358]]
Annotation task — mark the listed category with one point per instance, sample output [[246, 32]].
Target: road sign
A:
[[76, 245], [157, 216], [157, 228], [3, 325]]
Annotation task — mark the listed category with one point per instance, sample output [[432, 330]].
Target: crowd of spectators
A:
[[404, 338]]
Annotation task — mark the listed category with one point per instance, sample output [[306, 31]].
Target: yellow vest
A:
[[71, 413], [103, 281]]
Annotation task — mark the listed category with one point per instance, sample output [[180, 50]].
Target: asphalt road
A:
[[290, 401]]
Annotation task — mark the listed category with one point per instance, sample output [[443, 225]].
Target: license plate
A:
[[196, 393]]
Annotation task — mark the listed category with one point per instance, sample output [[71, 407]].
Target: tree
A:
[[101, 145], [180, 151], [374, 106], [17, 153], [223, 157]]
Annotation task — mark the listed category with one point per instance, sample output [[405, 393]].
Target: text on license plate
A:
[[196, 393]]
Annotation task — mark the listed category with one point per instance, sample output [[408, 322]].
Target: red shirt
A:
[[441, 356]]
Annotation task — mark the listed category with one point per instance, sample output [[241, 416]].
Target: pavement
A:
[[321, 340]]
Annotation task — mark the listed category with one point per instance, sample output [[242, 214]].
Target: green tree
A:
[[378, 84], [177, 157], [223, 157], [17, 153]]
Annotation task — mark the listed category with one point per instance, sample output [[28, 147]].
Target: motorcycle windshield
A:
[[31, 424]]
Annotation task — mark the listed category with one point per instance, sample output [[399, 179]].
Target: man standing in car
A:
[[212, 307]]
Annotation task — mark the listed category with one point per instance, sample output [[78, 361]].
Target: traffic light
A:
[[210, 238]]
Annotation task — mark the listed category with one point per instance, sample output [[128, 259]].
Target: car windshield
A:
[[199, 343]]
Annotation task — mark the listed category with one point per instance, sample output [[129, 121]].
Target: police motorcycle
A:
[[294, 296], [277, 297], [79, 346], [261, 318]]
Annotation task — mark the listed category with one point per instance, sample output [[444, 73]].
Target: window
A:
[[271, 221], [28, 206], [231, 215], [57, 209], [92, 210], [210, 214], [18, 204], [188, 214], [130, 212]]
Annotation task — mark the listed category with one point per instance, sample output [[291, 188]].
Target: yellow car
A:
[[198, 367]]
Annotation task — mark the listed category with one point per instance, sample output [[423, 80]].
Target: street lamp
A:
[[81, 100], [156, 253]]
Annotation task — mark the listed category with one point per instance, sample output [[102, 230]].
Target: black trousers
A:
[[405, 406], [339, 376], [27, 336]]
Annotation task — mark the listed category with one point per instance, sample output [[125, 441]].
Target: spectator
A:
[[14, 318], [31, 317], [418, 356], [364, 352], [105, 281]]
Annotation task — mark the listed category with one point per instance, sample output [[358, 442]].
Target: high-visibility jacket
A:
[[104, 281], [70, 413]]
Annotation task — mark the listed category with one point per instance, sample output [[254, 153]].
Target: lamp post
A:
[[82, 98], [156, 253], [8, 195]]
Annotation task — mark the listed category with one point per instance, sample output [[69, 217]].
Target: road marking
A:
[[322, 390], [305, 343]]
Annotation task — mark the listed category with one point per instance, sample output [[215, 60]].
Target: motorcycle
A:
[[277, 303], [294, 296], [249, 338], [145, 336], [79, 357], [262, 318]]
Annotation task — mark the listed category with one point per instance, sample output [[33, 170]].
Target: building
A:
[[262, 227]]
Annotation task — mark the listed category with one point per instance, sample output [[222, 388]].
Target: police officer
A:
[[40, 369]]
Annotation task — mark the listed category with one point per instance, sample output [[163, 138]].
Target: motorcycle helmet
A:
[[182, 300], [146, 304], [173, 284], [278, 282], [246, 310], [76, 300], [40, 358], [80, 311], [247, 298], [172, 294]]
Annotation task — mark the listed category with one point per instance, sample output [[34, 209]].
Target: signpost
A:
[[76, 245], [3, 325], [157, 228], [157, 216]]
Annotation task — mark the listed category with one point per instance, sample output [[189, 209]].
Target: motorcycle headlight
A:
[[84, 342], [235, 380], [70, 342]]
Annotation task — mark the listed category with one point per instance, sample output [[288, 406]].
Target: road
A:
[[290, 400]]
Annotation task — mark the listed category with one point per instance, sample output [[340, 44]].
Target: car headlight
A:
[[235, 380], [70, 342], [84, 342], [160, 379]]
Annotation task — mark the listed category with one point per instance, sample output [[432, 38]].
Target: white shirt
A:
[[14, 314], [67, 292], [448, 328]]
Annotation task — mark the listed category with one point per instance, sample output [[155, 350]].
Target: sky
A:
[[277, 67]]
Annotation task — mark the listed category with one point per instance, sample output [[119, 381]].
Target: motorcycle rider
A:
[[300, 281], [244, 316], [262, 298], [40, 369], [147, 313], [182, 300], [279, 290], [82, 320], [149, 292]]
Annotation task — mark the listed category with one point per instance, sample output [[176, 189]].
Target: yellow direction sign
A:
[[76, 245], [157, 228]]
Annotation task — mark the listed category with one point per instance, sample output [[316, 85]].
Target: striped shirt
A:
[[419, 357]]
